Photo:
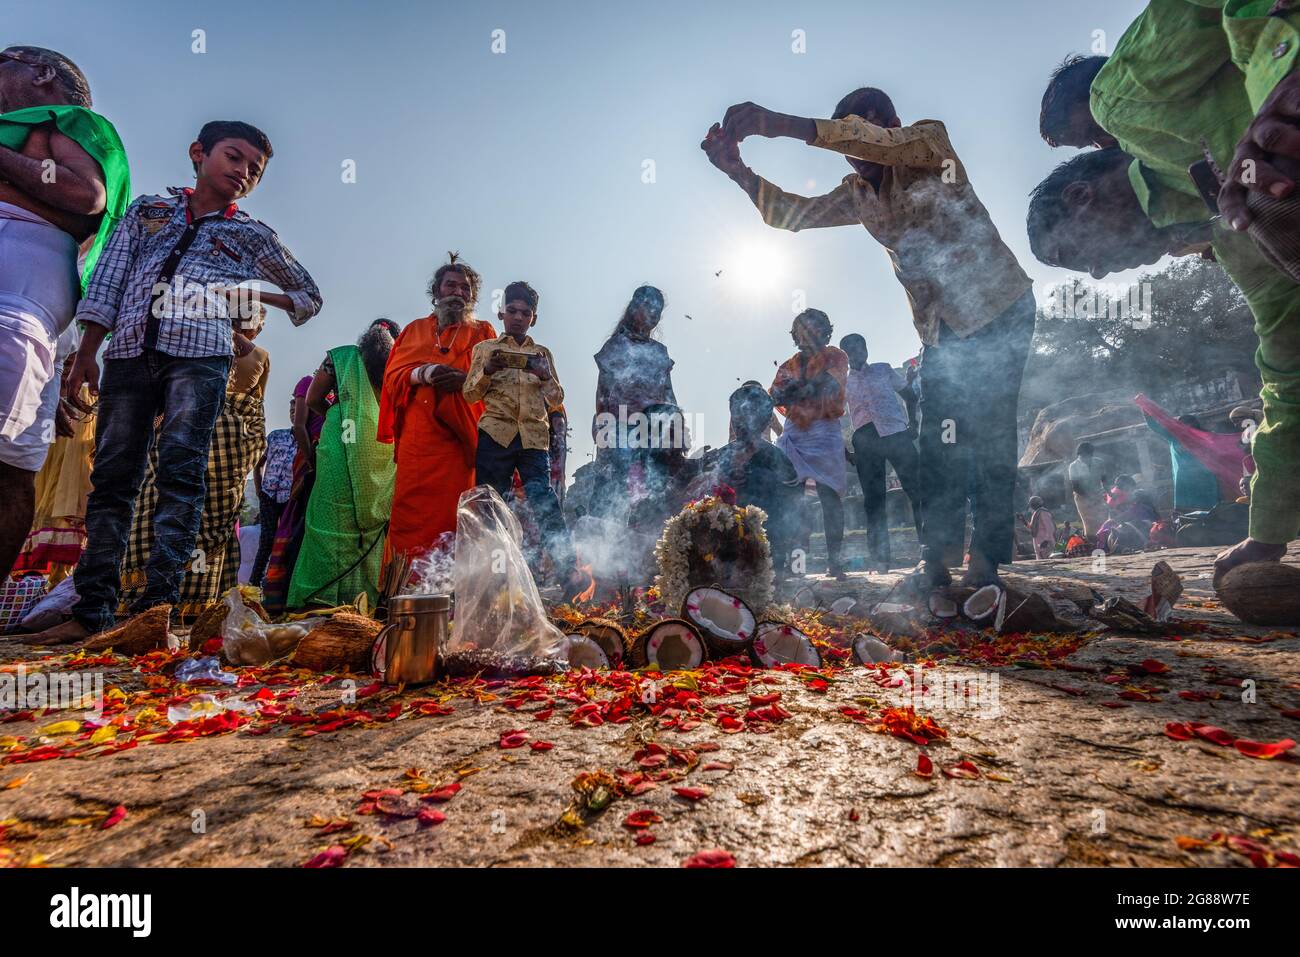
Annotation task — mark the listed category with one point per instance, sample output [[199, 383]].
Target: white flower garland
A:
[[678, 540]]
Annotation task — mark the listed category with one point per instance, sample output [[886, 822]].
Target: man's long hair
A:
[[374, 345], [455, 264]]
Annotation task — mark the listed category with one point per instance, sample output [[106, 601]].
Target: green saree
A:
[[347, 515]]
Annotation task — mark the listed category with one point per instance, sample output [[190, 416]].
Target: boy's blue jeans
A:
[[188, 394], [496, 466]]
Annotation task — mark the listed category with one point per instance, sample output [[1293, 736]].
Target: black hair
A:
[[866, 102], [853, 337], [751, 409], [520, 290], [642, 294], [1047, 207], [455, 264], [1067, 88], [215, 131], [819, 321], [374, 345], [393, 328], [69, 76], [1084, 448]]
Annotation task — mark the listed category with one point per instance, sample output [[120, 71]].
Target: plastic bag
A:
[[54, 608], [203, 670], [500, 622], [248, 640]]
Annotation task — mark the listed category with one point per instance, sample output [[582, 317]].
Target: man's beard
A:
[[451, 310]]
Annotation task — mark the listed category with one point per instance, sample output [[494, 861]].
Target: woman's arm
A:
[[322, 384]]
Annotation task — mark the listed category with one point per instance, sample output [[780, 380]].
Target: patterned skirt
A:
[[238, 441]]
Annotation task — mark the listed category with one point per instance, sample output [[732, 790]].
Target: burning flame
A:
[[590, 593]]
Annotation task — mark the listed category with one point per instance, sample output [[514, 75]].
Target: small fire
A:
[[590, 593]]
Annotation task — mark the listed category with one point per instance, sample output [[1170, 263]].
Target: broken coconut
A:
[[340, 642], [586, 652], [870, 650], [776, 643], [725, 621], [609, 635], [843, 605], [669, 645], [941, 606], [986, 607], [895, 618], [208, 625], [140, 634], [1262, 593]]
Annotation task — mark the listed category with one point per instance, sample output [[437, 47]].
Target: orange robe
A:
[[434, 434]]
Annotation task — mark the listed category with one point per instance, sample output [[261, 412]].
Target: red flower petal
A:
[[1263, 749], [1153, 667], [513, 739], [1212, 734], [541, 745], [644, 838], [119, 812], [714, 858], [332, 856], [643, 818], [693, 794], [428, 817], [444, 793], [963, 769], [1177, 731], [924, 767]]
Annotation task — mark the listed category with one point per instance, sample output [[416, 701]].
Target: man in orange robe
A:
[[433, 429]]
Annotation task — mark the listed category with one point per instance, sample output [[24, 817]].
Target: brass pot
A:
[[406, 651]]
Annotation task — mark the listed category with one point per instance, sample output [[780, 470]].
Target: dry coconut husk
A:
[[1262, 593], [610, 635], [213, 617], [140, 634], [340, 642]]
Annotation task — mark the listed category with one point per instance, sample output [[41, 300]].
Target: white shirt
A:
[[873, 398]]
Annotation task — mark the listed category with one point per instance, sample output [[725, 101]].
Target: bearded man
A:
[[423, 413]]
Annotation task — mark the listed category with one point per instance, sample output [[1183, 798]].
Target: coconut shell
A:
[[140, 634], [340, 642], [1030, 612], [718, 645], [1262, 593], [208, 624], [609, 634], [640, 657]]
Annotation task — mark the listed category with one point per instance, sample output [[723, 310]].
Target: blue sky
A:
[[532, 162]]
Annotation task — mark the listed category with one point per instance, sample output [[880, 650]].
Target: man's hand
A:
[[84, 371], [63, 421], [750, 119], [447, 379], [722, 151], [495, 363], [1267, 157], [539, 367]]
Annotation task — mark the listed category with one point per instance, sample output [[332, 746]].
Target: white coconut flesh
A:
[[943, 607], [870, 650], [672, 647], [843, 605], [609, 640], [777, 644], [585, 652], [982, 604], [724, 616]]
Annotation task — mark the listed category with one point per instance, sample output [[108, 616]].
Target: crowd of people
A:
[[131, 479]]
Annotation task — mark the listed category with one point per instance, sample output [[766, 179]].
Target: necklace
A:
[[438, 332]]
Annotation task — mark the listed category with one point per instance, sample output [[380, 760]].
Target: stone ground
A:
[[1063, 779]]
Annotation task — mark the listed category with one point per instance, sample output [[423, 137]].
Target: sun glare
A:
[[755, 267]]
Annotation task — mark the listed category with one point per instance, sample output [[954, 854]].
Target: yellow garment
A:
[[517, 401], [248, 374], [62, 485], [944, 247]]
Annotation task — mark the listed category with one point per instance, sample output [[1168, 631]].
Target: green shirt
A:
[[99, 139]]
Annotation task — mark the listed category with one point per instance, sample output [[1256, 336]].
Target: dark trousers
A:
[[268, 517], [496, 466], [189, 394], [871, 452], [968, 442], [832, 523]]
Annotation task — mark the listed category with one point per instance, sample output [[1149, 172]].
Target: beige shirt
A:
[[518, 403], [945, 249]]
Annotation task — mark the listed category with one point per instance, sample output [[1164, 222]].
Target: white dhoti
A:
[[816, 452], [38, 298]]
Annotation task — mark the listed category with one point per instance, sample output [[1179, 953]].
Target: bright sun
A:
[[755, 266]]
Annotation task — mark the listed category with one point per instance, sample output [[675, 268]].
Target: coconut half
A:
[[670, 645], [725, 621], [987, 606], [609, 635], [843, 605], [776, 643], [870, 650], [586, 652], [941, 606]]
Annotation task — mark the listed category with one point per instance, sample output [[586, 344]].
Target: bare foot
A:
[[980, 572], [63, 634], [1244, 553]]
